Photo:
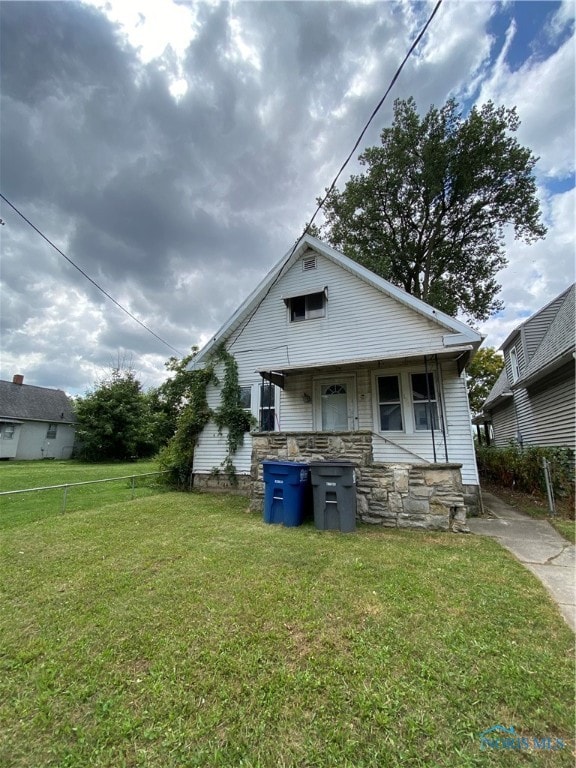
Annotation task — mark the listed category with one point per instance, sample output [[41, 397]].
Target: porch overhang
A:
[[276, 374]]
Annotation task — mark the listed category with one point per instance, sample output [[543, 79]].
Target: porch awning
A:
[[277, 372]]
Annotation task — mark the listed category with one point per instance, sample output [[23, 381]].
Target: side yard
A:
[[18, 509], [181, 630]]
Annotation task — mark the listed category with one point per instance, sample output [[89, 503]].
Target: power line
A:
[[345, 163], [112, 299]]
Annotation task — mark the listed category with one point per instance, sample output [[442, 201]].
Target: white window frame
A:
[[52, 431], [8, 431], [407, 403], [435, 402], [309, 314], [389, 374], [514, 367]]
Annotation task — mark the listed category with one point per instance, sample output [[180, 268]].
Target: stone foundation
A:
[[427, 496], [221, 483]]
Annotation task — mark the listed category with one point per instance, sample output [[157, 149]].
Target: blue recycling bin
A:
[[286, 492]]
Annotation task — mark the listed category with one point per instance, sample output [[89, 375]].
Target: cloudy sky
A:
[[174, 151]]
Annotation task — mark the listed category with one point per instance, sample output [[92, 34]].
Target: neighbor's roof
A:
[[558, 344], [500, 390], [26, 402], [251, 304]]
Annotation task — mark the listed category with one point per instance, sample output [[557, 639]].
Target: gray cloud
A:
[[178, 206]]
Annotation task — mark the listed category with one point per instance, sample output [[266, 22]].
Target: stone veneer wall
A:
[[396, 495]]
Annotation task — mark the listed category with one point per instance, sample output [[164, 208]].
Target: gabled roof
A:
[[26, 402], [461, 332], [558, 344], [499, 391]]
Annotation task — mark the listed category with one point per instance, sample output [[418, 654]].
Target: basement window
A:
[[307, 307]]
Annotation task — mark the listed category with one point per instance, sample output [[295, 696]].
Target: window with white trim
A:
[[51, 431], [514, 365], [424, 402], [389, 404], [406, 401], [246, 398], [7, 431], [267, 407], [307, 307]]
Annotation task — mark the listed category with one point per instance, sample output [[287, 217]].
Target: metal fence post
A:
[[549, 488], [133, 478], [64, 499]]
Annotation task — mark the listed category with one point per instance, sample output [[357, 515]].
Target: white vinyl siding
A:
[[360, 322]]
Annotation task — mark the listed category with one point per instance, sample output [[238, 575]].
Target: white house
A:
[[336, 362], [35, 422]]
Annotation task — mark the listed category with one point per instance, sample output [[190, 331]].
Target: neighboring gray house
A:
[[533, 400], [335, 362], [35, 422]]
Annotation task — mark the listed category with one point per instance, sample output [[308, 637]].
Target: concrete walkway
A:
[[537, 545]]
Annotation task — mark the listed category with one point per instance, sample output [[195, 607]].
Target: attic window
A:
[[308, 263], [514, 365], [307, 307]]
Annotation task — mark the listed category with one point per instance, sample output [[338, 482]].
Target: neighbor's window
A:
[[7, 431], [267, 411], [514, 365], [389, 404], [307, 307], [424, 401], [51, 433]]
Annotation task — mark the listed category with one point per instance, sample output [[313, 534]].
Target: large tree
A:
[[481, 375], [167, 401], [114, 419], [431, 210]]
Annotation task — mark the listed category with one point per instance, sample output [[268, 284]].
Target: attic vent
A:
[[308, 263]]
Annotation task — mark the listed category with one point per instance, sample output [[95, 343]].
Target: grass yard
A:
[[181, 631], [18, 509]]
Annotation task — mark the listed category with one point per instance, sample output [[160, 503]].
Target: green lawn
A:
[[181, 631], [18, 509]]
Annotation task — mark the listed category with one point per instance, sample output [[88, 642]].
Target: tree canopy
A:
[[482, 374], [114, 419], [431, 210]]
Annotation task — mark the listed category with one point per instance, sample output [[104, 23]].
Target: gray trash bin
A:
[[334, 494]]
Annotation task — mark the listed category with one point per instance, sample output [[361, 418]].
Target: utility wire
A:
[[345, 163], [112, 299], [374, 113]]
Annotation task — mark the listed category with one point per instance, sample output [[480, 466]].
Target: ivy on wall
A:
[[178, 455]]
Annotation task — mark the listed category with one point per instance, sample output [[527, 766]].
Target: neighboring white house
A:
[[35, 422], [334, 361], [533, 402]]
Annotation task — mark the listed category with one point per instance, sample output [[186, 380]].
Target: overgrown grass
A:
[[181, 631], [18, 509]]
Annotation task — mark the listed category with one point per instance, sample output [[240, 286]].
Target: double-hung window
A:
[[51, 431], [389, 404], [406, 402], [424, 401], [7, 431]]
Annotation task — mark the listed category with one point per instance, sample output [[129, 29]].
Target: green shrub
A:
[[521, 468]]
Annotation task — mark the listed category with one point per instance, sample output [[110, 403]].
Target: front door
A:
[[335, 404]]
